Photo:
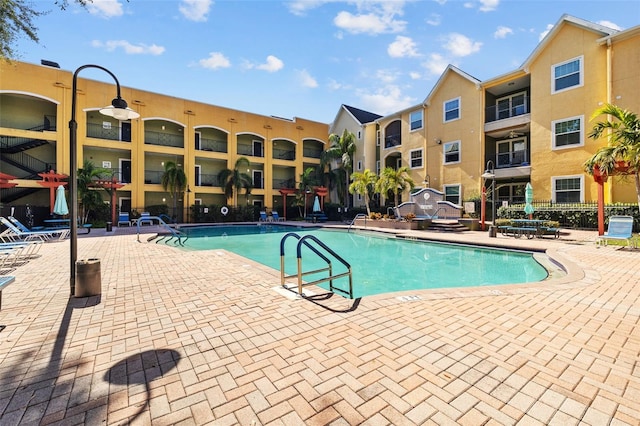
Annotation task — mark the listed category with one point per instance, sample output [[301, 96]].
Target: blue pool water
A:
[[380, 264]]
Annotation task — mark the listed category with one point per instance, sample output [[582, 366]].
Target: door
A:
[[125, 205], [196, 178], [257, 148], [125, 127], [257, 179], [198, 134], [125, 170]]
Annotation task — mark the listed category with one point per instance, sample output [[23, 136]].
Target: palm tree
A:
[[363, 184], [342, 148], [175, 181], [232, 181], [623, 145], [89, 199], [307, 180], [394, 180]]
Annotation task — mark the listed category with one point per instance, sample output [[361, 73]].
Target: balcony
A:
[[509, 113], [512, 164], [112, 133], [391, 141], [250, 150], [284, 154], [207, 180], [312, 153], [163, 139], [284, 183], [212, 145], [153, 176]]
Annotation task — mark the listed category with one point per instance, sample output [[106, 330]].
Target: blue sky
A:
[[302, 58]]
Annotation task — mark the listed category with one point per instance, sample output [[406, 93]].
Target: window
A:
[[567, 189], [512, 153], [566, 75], [416, 158], [378, 167], [452, 194], [359, 134], [359, 165], [377, 137], [568, 133], [451, 152], [451, 109], [416, 120], [511, 106]]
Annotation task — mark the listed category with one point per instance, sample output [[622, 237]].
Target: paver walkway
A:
[[203, 338]]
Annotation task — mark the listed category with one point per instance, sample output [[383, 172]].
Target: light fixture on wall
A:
[[438, 141]]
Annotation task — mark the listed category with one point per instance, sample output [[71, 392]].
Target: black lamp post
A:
[[119, 110], [490, 173], [188, 206]]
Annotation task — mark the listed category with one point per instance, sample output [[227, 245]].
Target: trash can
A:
[[493, 231], [88, 278], [109, 227]]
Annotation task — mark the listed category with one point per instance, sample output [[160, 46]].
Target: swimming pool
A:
[[380, 264]]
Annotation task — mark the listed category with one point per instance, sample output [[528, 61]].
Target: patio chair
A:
[[276, 217], [263, 217], [123, 218], [620, 228], [17, 233]]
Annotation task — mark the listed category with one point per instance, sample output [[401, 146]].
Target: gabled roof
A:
[[566, 19], [361, 116], [450, 68]]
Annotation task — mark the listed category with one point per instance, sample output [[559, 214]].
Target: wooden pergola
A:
[[52, 180], [600, 177]]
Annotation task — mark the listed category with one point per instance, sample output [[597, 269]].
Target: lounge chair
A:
[[276, 216], [18, 234], [263, 217], [620, 228], [123, 218]]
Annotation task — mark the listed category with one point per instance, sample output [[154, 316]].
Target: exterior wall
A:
[[468, 130], [158, 112], [570, 42]]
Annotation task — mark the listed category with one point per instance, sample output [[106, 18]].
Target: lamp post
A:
[[188, 207], [489, 173], [119, 110]]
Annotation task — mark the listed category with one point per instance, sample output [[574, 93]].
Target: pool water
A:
[[380, 264]]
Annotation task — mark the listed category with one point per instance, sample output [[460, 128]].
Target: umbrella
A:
[[316, 205], [60, 206], [528, 199]]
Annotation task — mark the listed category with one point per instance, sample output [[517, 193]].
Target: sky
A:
[[302, 58]]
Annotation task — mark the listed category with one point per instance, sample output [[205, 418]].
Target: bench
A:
[[4, 282], [546, 230], [519, 231], [316, 217]]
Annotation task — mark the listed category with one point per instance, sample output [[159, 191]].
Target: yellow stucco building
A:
[[529, 125], [35, 102]]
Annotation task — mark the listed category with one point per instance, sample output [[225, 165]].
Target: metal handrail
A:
[[172, 231], [358, 216], [303, 241]]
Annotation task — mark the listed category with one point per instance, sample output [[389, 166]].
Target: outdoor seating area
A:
[[529, 228]]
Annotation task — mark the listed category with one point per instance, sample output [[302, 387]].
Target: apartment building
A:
[[203, 139], [529, 125]]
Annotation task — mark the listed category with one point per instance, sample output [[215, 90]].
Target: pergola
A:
[[113, 185], [52, 180], [4, 181]]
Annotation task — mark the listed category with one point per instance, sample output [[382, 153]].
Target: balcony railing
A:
[[213, 145], [392, 140], [153, 176], [284, 183], [98, 131], [512, 159], [312, 152], [163, 139], [248, 150], [504, 111], [207, 180], [284, 154]]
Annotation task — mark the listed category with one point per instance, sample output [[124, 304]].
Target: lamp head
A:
[[488, 174], [119, 110]]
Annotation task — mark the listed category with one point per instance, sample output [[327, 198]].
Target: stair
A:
[[447, 226]]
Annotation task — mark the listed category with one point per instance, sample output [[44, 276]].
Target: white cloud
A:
[[386, 76], [441, 2], [300, 7], [415, 75], [386, 100], [368, 23], [610, 24], [436, 64], [306, 80], [545, 32], [216, 60], [502, 32], [434, 20], [273, 64], [460, 45], [129, 49], [489, 5], [105, 8], [195, 10], [333, 85], [402, 47]]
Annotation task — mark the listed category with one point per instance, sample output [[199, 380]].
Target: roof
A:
[[360, 115], [450, 68]]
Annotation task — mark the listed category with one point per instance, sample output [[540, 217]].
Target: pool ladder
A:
[[312, 243]]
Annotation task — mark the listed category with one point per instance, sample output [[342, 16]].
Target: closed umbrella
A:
[[316, 205], [528, 199], [60, 206]]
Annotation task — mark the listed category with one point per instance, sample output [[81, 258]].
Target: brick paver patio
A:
[[204, 338]]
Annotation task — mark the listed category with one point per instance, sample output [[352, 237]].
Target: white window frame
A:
[[580, 59], [564, 120], [398, 162], [554, 179], [412, 120], [444, 110], [197, 202], [254, 143], [257, 172], [444, 152], [377, 137], [198, 140], [421, 158], [444, 190], [511, 106], [378, 167]]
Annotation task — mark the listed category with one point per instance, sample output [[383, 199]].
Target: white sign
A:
[[470, 207]]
